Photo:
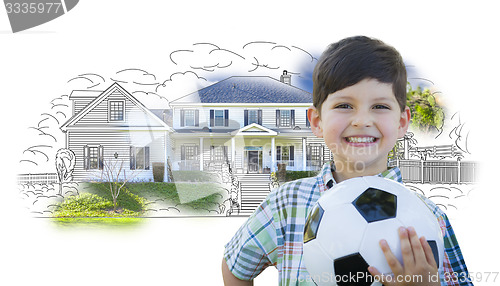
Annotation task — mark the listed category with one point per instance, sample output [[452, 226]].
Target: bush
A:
[[193, 176], [294, 175], [158, 171]]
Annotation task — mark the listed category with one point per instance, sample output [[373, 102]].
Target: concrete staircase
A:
[[254, 189]]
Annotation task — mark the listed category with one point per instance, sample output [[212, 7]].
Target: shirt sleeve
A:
[[254, 246], [454, 269]]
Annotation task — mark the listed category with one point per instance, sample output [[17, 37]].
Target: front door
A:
[[253, 161]]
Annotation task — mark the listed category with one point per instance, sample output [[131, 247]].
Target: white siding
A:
[[119, 143]]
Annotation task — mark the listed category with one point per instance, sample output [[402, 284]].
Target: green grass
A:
[[94, 205]]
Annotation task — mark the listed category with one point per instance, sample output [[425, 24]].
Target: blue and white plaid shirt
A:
[[273, 234]]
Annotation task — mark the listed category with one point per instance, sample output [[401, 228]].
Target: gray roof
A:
[[248, 89]]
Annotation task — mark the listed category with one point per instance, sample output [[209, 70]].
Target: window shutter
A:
[[101, 157], [196, 117], [277, 118], [132, 158], [212, 152], [291, 153], [182, 118], [212, 117], [278, 153], [86, 161], [292, 118], [259, 116], [183, 152], [246, 117], [226, 158], [226, 117], [307, 120], [146, 158]]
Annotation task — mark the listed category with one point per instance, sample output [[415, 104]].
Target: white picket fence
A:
[[31, 179]]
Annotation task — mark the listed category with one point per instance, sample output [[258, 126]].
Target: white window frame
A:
[[110, 117]]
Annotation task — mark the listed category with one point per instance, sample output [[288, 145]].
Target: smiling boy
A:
[[359, 109]]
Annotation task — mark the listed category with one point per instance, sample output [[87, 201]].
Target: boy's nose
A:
[[362, 119]]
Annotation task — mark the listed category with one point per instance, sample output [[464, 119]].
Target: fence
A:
[[447, 172], [46, 178]]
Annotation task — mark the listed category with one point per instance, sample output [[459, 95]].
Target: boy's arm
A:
[[230, 279]]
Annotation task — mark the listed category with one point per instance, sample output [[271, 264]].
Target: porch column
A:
[[233, 153], [273, 156], [201, 153], [304, 154]]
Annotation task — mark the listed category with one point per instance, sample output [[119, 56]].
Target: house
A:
[[111, 126], [252, 122]]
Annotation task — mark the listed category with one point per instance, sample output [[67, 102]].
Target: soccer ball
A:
[[343, 230]]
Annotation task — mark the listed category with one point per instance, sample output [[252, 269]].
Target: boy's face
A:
[[360, 125]]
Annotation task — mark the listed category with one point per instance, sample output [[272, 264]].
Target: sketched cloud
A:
[[45, 138], [86, 81], [180, 84]]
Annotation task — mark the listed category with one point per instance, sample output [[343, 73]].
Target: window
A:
[[93, 157], [218, 153], [253, 116], [190, 117], [189, 152], [139, 158], [219, 117], [285, 118], [285, 155], [314, 155], [116, 110]]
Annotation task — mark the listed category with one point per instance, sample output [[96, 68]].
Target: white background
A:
[[451, 42]]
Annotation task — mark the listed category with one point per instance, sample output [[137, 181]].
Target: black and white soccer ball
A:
[[343, 230]]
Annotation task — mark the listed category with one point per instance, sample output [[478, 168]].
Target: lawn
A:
[[138, 200]]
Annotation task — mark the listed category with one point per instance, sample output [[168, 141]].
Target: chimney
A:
[[286, 78]]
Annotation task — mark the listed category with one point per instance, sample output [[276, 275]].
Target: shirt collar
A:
[[328, 168]]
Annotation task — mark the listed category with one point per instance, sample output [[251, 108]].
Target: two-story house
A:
[[252, 122], [112, 127]]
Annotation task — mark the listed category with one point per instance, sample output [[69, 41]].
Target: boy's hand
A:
[[419, 266]]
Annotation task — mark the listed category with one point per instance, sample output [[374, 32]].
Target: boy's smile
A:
[[360, 125]]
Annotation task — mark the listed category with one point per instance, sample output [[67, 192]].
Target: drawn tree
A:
[[114, 173], [65, 164], [426, 112]]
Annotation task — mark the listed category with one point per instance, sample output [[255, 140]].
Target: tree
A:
[[114, 173], [426, 112], [65, 164]]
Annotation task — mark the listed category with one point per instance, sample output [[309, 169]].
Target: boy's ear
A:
[[315, 120], [404, 122]]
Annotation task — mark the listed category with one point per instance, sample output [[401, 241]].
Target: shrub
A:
[[294, 175], [158, 171]]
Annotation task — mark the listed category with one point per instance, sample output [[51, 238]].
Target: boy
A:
[[359, 109]]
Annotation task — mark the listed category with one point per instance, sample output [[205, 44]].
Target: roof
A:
[[248, 89], [115, 87], [85, 94]]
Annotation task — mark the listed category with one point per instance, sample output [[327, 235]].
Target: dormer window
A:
[[116, 110]]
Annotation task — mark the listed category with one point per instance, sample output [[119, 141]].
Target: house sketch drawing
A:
[[242, 130]]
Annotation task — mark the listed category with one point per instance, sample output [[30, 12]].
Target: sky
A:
[[158, 49]]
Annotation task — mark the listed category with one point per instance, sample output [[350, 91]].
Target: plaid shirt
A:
[[273, 234]]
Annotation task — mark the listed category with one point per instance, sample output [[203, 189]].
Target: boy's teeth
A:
[[360, 139]]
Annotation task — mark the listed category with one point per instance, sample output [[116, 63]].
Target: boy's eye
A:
[[343, 106], [381, 106]]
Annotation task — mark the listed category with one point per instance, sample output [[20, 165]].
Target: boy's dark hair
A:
[[354, 59]]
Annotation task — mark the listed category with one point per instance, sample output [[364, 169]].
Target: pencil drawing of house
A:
[[114, 125], [253, 123]]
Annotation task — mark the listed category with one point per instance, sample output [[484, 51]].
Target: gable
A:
[[254, 129], [115, 108]]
